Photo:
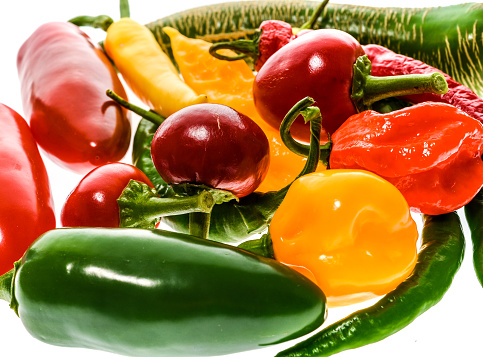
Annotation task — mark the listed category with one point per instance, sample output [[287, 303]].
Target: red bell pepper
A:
[[431, 152], [26, 202], [64, 77]]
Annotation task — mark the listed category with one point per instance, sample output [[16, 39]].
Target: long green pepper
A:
[[474, 217], [438, 261]]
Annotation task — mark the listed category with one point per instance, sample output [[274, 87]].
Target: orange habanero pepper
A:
[[350, 231]]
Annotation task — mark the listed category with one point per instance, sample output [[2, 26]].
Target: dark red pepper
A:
[[26, 202], [64, 77], [388, 63], [212, 145]]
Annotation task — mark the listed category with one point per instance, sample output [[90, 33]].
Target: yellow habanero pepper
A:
[[147, 69], [349, 231], [230, 83]]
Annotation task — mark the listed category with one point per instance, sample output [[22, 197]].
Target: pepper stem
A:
[[98, 22], [199, 224], [140, 207], [124, 7], [368, 89], [150, 115], [6, 281], [313, 151], [262, 246], [315, 16]]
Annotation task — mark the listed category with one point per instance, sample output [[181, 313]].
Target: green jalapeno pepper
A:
[[155, 293], [474, 217]]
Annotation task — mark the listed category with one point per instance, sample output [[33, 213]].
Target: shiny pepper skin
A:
[[27, 207], [318, 64], [64, 76], [431, 152], [93, 202], [349, 231]]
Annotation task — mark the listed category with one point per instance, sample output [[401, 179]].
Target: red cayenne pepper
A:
[[388, 63], [430, 151], [26, 202]]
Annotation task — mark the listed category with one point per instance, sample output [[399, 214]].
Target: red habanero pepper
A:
[[430, 151], [388, 63], [64, 77], [26, 209]]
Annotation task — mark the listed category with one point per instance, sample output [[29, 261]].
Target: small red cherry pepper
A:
[[26, 209], [431, 152], [388, 63], [64, 77]]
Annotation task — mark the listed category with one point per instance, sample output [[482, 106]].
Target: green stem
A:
[[368, 89], [150, 115], [315, 16], [98, 22], [6, 281], [199, 224], [247, 48], [139, 206], [313, 115], [262, 246], [124, 7]]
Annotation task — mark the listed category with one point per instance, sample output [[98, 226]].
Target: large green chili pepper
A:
[[474, 217], [445, 37], [438, 261], [155, 293]]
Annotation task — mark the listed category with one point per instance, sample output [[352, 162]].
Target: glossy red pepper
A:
[[93, 203], [431, 152], [64, 77], [26, 209], [213, 145], [388, 63]]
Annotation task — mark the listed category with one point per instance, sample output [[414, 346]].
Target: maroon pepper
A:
[[64, 76], [388, 63]]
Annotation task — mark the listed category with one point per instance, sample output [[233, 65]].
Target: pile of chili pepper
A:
[[329, 147]]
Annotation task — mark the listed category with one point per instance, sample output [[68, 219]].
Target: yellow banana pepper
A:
[[350, 231], [230, 83], [147, 69]]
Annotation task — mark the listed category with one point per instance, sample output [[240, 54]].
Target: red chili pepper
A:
[[64, 77], [213, 145], [93, 203], [431, 152], [26, 209], [388, 63], [329, 66]]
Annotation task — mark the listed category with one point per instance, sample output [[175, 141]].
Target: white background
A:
[[451, 328]]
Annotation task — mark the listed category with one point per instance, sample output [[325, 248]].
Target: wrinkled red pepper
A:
[[64, 77], [388, 63], [431, 152], [26, 202]]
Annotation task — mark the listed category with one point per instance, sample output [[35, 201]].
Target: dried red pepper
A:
[[388, 63], [431, 152], [271, 36]]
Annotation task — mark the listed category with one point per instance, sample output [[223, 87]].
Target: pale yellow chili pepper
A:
[[147, 69]]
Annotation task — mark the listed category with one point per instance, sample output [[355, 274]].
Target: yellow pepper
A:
[[349, 231], [230, 83], [147, 69]]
